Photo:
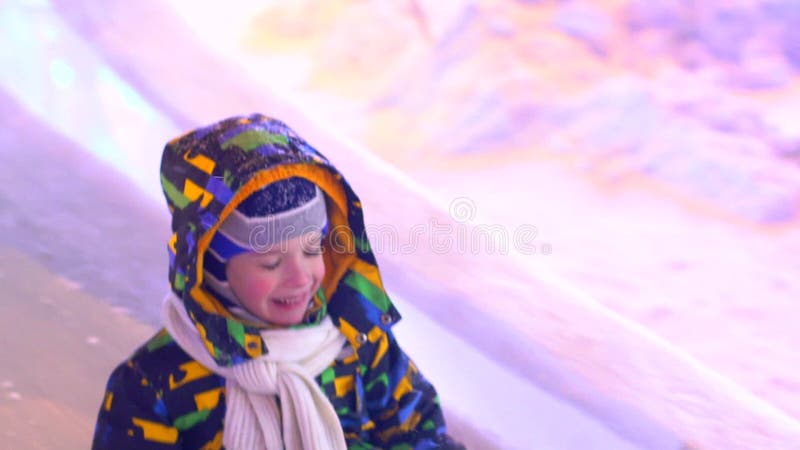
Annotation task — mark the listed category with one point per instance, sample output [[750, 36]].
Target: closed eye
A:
[[271, 266], [314, 251]]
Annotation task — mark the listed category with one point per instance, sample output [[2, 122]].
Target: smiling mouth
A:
[[289, 300]]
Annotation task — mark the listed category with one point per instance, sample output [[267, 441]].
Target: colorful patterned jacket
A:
[[161, 398]]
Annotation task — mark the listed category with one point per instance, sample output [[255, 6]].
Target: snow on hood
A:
[[207, 172]]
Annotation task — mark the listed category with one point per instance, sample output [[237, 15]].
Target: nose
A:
[[297, 274]]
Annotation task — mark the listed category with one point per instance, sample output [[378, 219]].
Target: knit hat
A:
[[282, 210]]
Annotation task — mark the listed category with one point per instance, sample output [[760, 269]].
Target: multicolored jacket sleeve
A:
[[402, 404], [130, 416]]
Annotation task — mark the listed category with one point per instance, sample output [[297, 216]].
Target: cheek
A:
[[250, 283], [318, 269], [257, 287]]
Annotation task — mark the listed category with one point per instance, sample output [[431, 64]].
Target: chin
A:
[[286, 321]]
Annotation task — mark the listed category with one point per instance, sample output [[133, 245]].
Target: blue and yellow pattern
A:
[[163, 399]]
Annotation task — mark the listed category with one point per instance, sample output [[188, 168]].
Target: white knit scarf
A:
[[252, 418]]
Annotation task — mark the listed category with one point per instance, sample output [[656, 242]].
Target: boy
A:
[[277, 328]]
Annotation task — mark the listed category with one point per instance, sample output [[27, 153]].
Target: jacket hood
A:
[[206, 173]]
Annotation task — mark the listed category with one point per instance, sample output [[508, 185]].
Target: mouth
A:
[[291, 301]]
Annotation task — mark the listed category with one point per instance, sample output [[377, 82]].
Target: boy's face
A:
[[277, 286]]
